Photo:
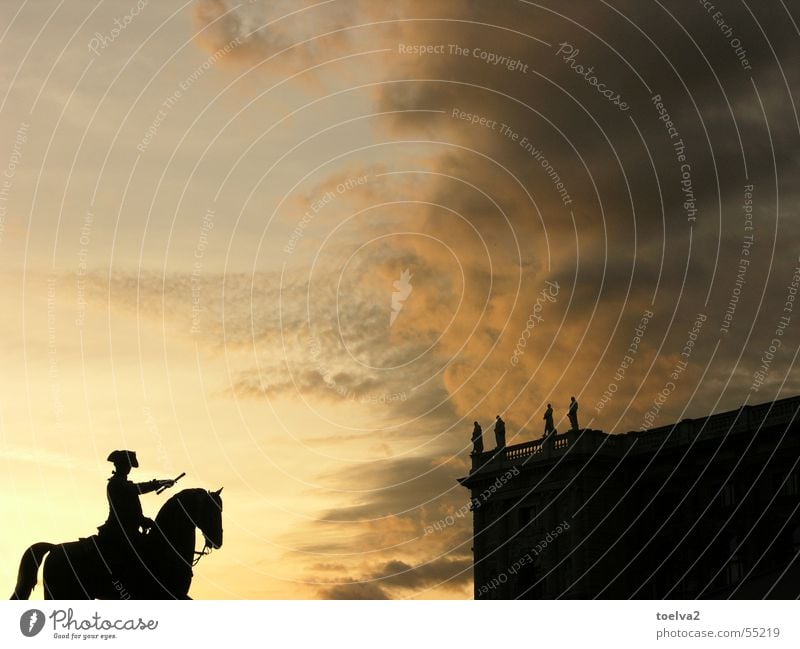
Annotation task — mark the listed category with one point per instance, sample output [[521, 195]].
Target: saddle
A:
[[119, 554]]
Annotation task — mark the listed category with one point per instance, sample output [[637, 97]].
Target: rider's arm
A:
[[152, 485], [147, 487]]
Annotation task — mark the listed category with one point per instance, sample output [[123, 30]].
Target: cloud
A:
[[395, 578], [454, 572], [410, 487], [502, 181], [384, 534], [619, 251], [38, 457], [356, 590], [274, 39], [399, 577]]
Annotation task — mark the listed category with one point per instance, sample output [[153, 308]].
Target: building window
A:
[[790, 487], [526, 515], [565, 576], [786, 485], [734, 567], [729, 495], [734, 570]]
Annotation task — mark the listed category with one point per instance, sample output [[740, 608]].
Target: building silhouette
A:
[[705, 508]]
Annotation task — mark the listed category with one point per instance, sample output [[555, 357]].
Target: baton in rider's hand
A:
[[160, 489]]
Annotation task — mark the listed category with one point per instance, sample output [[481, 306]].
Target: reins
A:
[[206, 550]]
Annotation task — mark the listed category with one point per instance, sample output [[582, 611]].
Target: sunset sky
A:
[[206, 207]]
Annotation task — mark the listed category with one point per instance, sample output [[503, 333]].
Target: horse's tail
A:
[[29, 569]]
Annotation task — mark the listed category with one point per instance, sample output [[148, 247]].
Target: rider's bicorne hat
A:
[[124, 457]]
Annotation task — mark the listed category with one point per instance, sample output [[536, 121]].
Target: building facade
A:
[[705, 508]]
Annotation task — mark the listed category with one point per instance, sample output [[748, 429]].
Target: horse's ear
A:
[[218, 491]]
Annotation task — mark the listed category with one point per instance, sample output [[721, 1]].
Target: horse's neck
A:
[[177, 532]]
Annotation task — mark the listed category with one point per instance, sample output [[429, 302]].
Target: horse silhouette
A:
[[159, 568]]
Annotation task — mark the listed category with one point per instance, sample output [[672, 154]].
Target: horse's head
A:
[[211, 518], [207, 516], [201, 507]]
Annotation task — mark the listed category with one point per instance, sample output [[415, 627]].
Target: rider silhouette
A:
[[120, 533]]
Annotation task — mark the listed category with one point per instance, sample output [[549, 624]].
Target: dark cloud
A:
[[396, 578], [627, 240], [398, 487], [354, 591], [454, 572], [400, 531]]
